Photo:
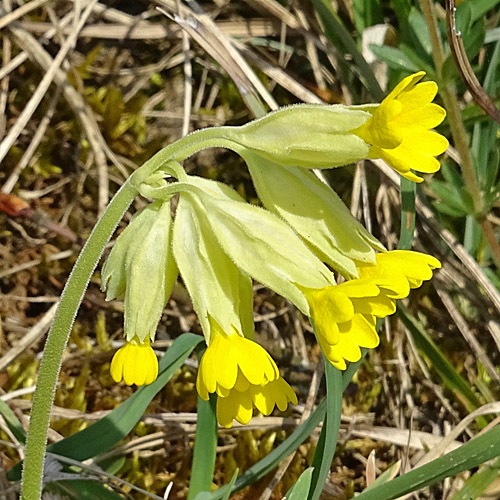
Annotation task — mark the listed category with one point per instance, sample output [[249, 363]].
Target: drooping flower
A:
[[141, 270], [326, 136], [234, 367], [344, 316], [135, 363], [243, 375], [399, 128], [252, 242], [315, 212]]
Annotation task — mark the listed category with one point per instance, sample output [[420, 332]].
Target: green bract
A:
[[305, 135], [141, 270], [316, 213]]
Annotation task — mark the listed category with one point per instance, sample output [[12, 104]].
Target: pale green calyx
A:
[[259, 243], [315, 212], [141, 270], [216, 286], [305, 135]]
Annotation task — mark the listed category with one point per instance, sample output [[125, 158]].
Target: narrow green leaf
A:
[[12, 422], [402, 10], [420, 31], [325, 449], [342, 39], [367, 13], [394, 58], [205, 445], [104, 434], [300, 489], [480, 7], [471, 454], [408, 192], [439, 361], [476, 484], [86, 489]]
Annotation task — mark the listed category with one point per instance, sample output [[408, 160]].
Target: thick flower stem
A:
[[72, 296], [58, 337], [458, 132]]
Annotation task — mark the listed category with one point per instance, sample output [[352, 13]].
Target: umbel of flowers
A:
[[218, 244]]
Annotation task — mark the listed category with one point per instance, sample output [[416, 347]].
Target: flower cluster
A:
[[218, 244]]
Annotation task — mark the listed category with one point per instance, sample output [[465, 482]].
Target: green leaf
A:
[[85, 489], [480, 7], [447, 210], [451, 197], [367, 13], [402, 10], [419, 30], [337, 33], [12, 422], [394, 58], [205, 445], [408, 192], [300, 489], [327, 442], [104, 434], [471, 454], [439, 361], [477, 483]]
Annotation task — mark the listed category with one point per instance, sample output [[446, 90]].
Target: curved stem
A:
[[58, 335], [71, 298]]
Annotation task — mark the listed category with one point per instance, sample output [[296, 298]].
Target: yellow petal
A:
[[406, 84], [418, 95]]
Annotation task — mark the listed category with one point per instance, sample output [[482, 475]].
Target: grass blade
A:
[[471, 454], [408, 191], [205, 446], [341, 38], [327, 442], [439, 361]]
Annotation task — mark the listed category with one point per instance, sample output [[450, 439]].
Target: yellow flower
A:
[[400, 271], [243, 375], [344, 315], [399, 128], [135, 363]]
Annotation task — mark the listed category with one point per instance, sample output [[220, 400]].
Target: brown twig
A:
[[463, 65]]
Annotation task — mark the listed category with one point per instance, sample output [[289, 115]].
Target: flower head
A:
[[399, 128], [135, 363], [243, 376], [344, 316]]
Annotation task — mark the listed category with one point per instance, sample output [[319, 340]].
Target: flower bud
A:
[[141, 269]]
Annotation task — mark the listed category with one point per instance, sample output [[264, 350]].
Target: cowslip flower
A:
[[141, 270], [344, 316], [315, 212], [326, 136], [243, 375], [236, 368], [399, 128], [264, 247]]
